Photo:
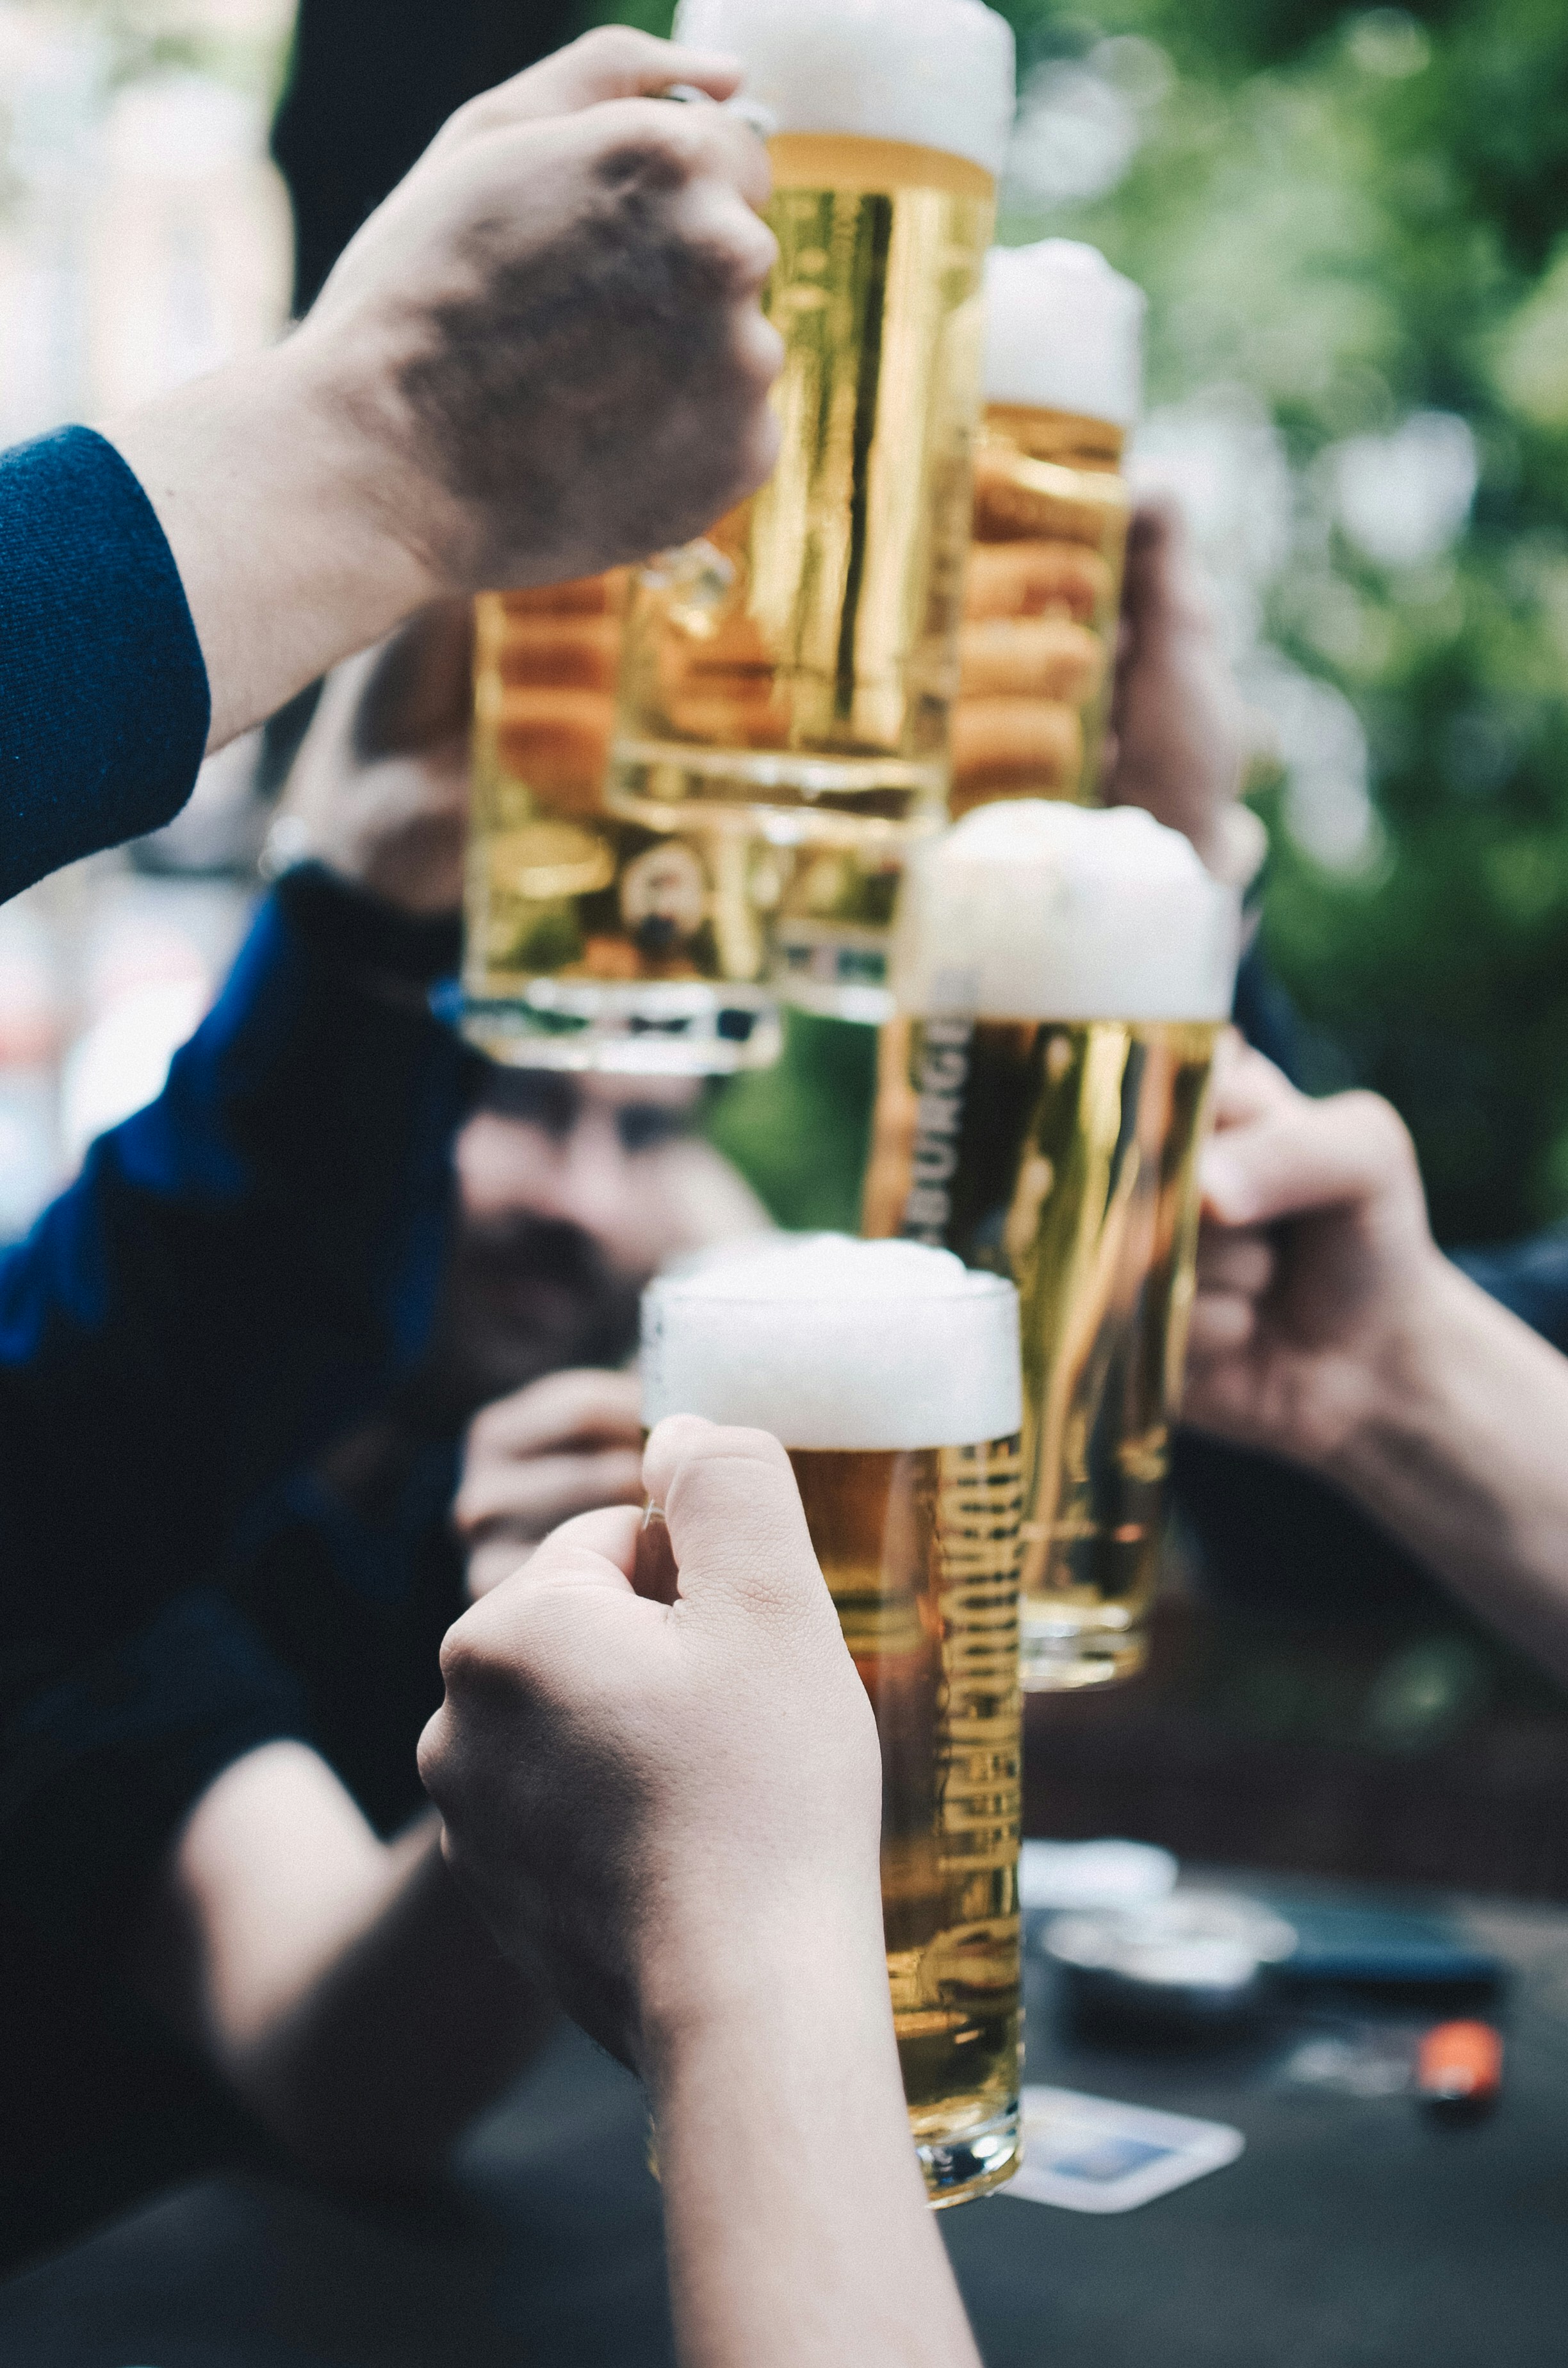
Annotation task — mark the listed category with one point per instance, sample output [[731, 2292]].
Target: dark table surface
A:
[[1351, 2230]]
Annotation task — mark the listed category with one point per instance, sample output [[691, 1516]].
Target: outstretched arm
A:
[[342, 1983], [542, 356], [678, 1804], [1330, 1329]]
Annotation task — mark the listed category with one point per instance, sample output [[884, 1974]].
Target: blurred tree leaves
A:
[[1353, 217]]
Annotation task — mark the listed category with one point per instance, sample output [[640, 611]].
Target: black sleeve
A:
[[103, 1766], [104, 708], [359, 110]]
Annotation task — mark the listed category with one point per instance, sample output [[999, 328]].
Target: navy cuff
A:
[[104, 705]]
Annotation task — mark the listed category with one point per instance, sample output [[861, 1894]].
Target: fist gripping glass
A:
[[891, 1374]]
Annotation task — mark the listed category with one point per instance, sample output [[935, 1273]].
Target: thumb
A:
[[736, 1524]]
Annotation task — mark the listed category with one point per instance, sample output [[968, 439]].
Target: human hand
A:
[[1316, 1267], [667, 1802], [542, 355], [380, 789], [550, 332], [1179, 742], [568, 1444]]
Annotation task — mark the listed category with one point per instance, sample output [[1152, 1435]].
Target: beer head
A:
[[831, 1343], [1031, 909], [938, 74], [1064, 332]]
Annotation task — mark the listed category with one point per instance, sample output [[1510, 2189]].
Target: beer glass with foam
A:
[[891, 1374], [790, 674], [1066, 973], [1064, 374], [593, 942]]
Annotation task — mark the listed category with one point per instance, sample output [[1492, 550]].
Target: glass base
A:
[[836, 971], [1058, 1657], [788, 796], [973, 2162], [696, 1029]]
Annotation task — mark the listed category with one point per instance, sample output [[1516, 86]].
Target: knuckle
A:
[[433, 1754], [472, 1670], [613, 45], [1383, 1125]]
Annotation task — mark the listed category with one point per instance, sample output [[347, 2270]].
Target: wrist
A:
[[784, 1976], [272, 494]]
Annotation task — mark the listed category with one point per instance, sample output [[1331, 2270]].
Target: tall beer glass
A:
[[1064, 374], [1040, 1111], [593, 942], [792, 672], [892, 1376]]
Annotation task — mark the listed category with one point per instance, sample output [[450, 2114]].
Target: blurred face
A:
[[572, 1192]]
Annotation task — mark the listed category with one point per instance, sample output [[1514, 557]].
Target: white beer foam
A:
[[834, 1343], [1029, 909], [938, 73], [1063, 331]]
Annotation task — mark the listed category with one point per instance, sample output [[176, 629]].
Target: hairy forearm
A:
[[797, 2230], [1462, 1453], [266, 490]]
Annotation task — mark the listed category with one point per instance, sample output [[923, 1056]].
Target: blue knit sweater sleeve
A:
[[104, 708]]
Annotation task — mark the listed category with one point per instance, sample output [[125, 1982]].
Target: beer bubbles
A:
[[1064, 976], [891, 1373]]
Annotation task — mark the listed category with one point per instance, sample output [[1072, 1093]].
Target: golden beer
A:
[[919, 1547], [1043, 592], [802, 659], [797, 666], [1067, 1158], [1036, 1139], [591, 942]]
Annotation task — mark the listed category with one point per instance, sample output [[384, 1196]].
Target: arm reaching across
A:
[[677, 1804], [542, 356], [1330, 1329], [342, 1983]]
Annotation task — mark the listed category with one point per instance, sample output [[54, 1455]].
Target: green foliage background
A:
[[1350, 216]]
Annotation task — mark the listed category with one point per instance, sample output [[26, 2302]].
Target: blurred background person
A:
[[364, 99], [238, 1670]]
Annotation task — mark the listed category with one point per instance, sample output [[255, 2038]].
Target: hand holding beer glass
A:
[[1067, 975], [891, 1375]]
